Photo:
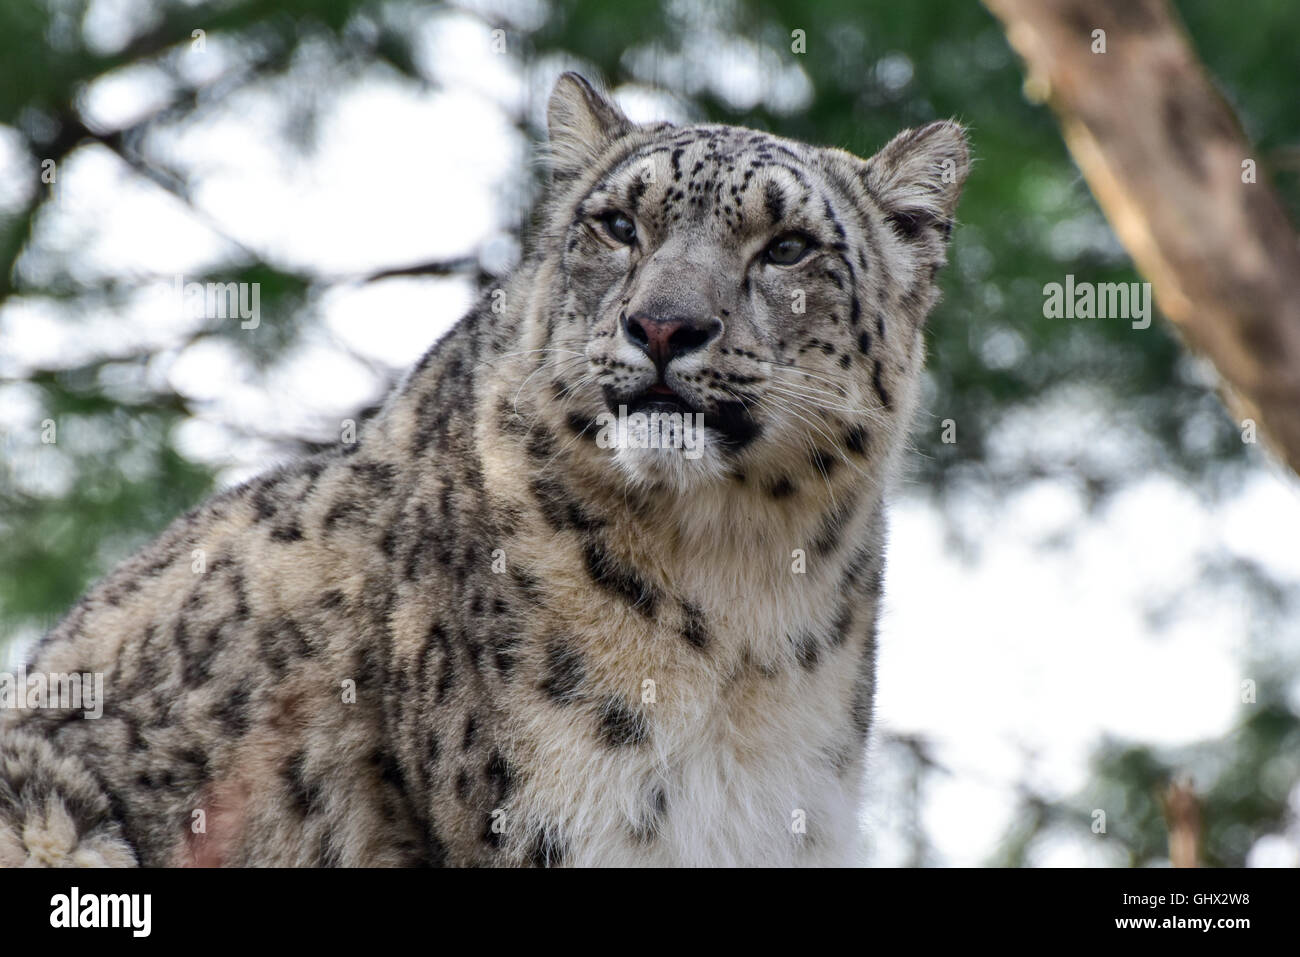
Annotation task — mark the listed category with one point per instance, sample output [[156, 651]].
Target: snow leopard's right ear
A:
[[582, 123]]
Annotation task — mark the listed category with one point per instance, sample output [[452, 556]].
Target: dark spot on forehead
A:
[[773, 201], [636, 189]]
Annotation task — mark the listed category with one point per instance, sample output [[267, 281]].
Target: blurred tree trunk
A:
[[1183, 819], [1167, 160]]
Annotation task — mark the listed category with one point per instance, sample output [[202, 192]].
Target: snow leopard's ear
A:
[[917, 178], [582, 123]]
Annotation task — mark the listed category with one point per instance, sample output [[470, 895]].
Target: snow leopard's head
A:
[[726, 305]]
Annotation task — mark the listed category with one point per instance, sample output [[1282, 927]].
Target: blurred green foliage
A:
[[873, 68]]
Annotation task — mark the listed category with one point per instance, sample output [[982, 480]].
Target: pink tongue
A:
[[661, 389]]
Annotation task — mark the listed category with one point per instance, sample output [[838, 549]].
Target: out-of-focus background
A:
[[1092, 592]]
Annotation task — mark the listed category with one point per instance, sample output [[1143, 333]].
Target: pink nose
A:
[[665, 339]]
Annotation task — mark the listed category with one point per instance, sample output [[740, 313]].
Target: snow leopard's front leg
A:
[[52, 811]]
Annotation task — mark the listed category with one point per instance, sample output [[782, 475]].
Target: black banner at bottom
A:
[[274, 907]]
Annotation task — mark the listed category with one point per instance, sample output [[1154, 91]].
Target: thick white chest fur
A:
[[732, 792], [740, 768]]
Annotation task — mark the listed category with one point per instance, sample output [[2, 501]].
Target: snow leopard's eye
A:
[[787, 250], [620, 227]]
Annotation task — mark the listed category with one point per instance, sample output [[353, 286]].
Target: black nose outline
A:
[[664, 339]]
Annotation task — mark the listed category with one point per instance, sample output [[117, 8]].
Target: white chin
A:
[[680, 469]]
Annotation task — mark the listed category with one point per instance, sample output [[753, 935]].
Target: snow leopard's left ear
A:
[[582, 123], [917, 179]]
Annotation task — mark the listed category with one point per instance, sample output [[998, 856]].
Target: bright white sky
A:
[[1013, 665]]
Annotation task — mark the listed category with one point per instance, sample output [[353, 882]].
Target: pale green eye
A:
[[621, 227], [787, 250]]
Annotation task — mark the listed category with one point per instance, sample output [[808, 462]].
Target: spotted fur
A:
[[562, 653]]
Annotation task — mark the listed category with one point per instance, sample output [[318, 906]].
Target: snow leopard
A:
[[598, 585]]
